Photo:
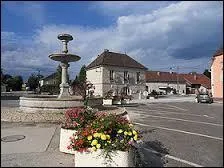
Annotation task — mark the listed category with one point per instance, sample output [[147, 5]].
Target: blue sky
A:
[[158, 34]]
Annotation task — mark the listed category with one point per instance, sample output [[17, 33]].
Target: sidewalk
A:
[[39, 148]]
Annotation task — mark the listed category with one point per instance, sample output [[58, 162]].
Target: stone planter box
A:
[[107, 101], [115, 102], [94, 159], [65, 140]]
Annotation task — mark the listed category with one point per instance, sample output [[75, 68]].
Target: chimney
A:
[[195, 77], [106, 50], [158, 73]]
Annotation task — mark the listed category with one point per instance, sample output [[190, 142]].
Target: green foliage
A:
[[207, 73], [52, 89], [82, 75], [15, 83], [79, 85], [33, 82]]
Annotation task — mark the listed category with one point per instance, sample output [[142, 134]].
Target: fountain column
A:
[[64, 86]]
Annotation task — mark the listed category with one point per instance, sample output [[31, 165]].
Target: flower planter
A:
[[107, 101], [94, 159], [65, 140], [115, 102]]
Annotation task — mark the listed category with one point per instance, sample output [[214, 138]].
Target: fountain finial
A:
[[65, 38]]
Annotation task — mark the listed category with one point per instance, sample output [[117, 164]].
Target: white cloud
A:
[[181, 34], [123, 8]]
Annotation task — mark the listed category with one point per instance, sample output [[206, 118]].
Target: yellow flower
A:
[[135, 137], [89, 137], [98, 146], [130, 133], [125, 133], [108, 136], [134, 132], [95, 135], [119, 131], [108, 141], [94, 142], [94, 148], [103, 137]]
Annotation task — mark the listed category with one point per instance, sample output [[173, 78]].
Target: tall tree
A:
[[207, 73], [33, 82], [15, 83], [82, 74], [79, 84]]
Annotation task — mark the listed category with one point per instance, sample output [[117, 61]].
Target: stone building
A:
[[165, 82], [217, 74], [116, 72]]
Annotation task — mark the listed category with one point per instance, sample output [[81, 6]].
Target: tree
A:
[[207, 73], [33, 82], [79, 84], [15, 83], [82, 74]]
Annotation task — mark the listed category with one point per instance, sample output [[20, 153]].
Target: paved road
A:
[[184, 133]]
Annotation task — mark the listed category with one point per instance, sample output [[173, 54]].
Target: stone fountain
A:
[[64, 58], [40, 103]]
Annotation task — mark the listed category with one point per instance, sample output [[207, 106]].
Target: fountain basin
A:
[[48, 103], [64, 57]]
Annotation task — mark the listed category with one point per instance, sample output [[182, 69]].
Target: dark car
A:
[[203, 98]]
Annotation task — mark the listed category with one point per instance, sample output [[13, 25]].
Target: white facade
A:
[[101, 76]]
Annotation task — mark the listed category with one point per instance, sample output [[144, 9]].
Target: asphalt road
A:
[[180, 134]]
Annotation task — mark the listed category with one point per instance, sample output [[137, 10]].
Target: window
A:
[[138, 76], [111, 75], [126, 76]]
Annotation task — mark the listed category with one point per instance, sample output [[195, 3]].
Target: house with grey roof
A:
[[116, 72]]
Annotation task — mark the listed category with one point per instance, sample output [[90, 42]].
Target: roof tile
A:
[[115, 59]]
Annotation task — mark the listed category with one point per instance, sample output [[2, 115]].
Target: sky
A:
[[158, 34]]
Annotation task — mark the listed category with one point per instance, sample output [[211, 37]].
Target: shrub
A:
[[52, 89]]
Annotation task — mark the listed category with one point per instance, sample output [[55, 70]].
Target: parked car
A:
[[153, 94], [203, 98]]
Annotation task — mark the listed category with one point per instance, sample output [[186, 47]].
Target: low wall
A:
[[51, 104], [95, 101]]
